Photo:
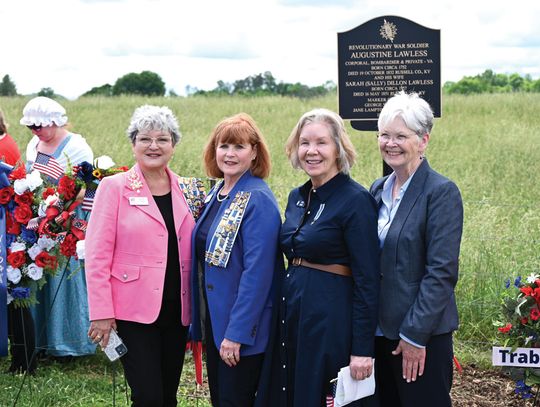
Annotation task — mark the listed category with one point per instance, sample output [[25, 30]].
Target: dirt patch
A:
[[475, 387]]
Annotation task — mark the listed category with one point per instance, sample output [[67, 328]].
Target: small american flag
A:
[[88, 200], [47, 165], [330, 397]]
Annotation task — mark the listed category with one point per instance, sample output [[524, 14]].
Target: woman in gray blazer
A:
[[420, 225]]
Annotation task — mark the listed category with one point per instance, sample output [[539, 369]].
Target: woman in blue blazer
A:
[[420, 225], [235, 258]]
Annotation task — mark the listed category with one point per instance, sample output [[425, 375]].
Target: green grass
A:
[[488, 144]]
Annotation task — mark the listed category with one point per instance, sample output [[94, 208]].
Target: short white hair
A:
[[149, 117], [412, 109]]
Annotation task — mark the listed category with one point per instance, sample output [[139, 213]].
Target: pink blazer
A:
[[126, 250]]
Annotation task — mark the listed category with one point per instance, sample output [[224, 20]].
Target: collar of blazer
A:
[[414, 190], [135, 186]]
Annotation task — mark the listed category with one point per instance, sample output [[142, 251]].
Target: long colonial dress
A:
[[61, 316]]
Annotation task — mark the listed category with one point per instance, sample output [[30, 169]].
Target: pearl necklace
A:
[[221, 199]]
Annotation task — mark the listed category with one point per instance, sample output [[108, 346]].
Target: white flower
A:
[[46, 243], [34, 180], [532, 278], [80, 249], [20, 186], [17, 247], [34, 251], [103, 162], [13, 275], [34, 271]]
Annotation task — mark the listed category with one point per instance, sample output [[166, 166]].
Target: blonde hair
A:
[[345, 148]]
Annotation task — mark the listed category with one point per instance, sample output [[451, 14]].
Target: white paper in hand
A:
[[349, 389]]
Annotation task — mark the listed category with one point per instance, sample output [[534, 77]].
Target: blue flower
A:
[[20, 292], [523, 390], [84, 171], [10, 239], [507, 283], [517, 282], [28, 235]]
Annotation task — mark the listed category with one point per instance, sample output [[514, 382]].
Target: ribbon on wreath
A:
[[56, 213], [5, 170]]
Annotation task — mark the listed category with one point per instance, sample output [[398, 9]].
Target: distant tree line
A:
[[264, 84], [491, 82], [148, 83]]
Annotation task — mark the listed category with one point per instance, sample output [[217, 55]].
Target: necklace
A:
[[221, 199]]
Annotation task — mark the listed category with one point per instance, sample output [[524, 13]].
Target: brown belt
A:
[[329, 268]]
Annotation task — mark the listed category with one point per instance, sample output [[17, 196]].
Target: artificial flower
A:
[[66, 188], [67, 247], [18, 173], [104, 162], [34, 180], [26, 198], [34, 251], [16, 259], [20, 292], [6, 194], [13, 274], [45, 260], [80, 249], [17, 247], [34, 271], [46, 243], [23, 213]]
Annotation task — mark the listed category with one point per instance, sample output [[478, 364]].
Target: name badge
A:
[[138, 201]]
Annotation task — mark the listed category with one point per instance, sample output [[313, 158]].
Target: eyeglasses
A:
[[147, 141], [399, 139], [34, 127]]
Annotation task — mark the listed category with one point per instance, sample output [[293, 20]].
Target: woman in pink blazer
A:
[[138, 261]]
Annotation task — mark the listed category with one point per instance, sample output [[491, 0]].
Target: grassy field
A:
[[488, 144]]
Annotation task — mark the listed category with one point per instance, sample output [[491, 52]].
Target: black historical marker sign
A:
[[381, 57]]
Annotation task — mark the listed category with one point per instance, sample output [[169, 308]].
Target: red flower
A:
[[535, 314], [23, 213], [68, 246], [123, 168], [505, 329], [47, 192], [66, 187], [17, 173], [46, 261], [12, 227], [524, 320], [5, 195], [25, 199], [536, 294], [16, 259], [526, 290]]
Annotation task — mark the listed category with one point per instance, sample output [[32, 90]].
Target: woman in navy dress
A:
[[330, 291]]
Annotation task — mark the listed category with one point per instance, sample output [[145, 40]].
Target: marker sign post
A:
[[381, 57]]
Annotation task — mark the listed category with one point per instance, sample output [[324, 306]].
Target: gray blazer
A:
[[419, 259]]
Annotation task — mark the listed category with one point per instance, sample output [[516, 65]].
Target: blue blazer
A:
[[419, 258], [240, 294]]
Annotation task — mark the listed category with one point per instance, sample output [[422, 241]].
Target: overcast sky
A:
[[74, 45]]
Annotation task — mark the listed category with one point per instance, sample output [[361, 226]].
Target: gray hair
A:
[[344, 146], [148, 118], [411, 108]]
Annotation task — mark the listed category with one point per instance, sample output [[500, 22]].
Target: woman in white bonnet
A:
[[61, 323]]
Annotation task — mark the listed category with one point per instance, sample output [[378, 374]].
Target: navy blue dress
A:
[[324, 317]]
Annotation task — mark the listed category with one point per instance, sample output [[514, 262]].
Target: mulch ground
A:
[[475, 387]]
